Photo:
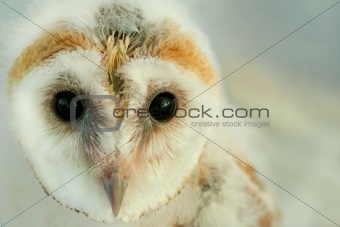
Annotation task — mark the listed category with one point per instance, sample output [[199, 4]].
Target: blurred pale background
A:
[[298, 80]]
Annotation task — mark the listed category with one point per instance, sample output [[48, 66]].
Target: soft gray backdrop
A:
[[298, 80]]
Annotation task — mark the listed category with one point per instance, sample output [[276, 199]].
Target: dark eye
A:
[[62, 105], [163, 107]]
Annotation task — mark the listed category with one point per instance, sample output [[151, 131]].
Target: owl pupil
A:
[[62, 105], [163, 107]]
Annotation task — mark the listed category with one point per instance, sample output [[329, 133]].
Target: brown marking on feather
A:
[[116, 53], [266, 220], [254, 194], [43, 48], [268, 217], [178, 47], [250, 171], [202, 180]]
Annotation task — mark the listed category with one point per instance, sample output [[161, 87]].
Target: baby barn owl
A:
[[150, 170]]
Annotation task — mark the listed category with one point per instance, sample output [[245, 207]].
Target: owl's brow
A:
[[260, 173], [43, 48], [168, 44], [266, 50]]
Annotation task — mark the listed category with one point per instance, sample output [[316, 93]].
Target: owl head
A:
[[100, 95]]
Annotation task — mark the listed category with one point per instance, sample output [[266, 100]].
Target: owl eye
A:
[[62, 105], [163, 107]]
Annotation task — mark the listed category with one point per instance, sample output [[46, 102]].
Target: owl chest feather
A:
[[220, 192]]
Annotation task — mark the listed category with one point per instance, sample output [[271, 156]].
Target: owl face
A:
[[148, 67]]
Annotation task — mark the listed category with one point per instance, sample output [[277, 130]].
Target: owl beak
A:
[[115, 187]]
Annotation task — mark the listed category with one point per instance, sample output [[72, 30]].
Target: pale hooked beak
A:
[[115, 187]]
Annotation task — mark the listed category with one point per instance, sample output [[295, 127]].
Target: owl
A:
[[109, 99]]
